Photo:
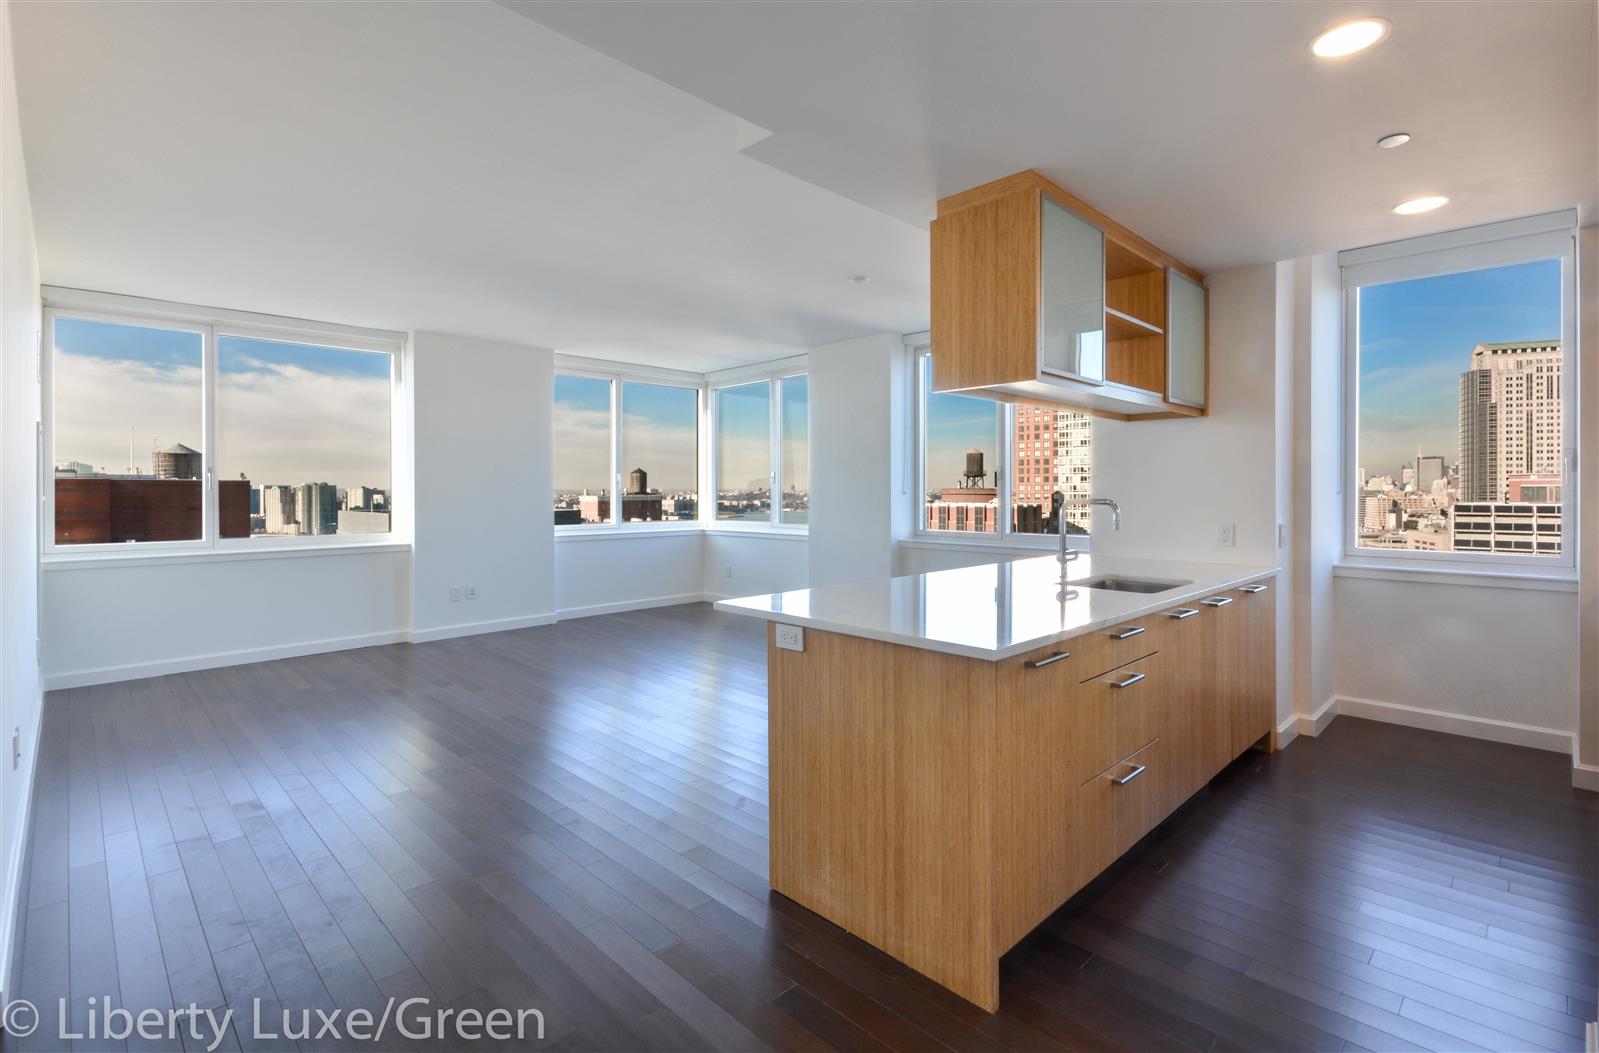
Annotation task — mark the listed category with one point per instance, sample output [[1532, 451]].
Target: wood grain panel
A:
[[882, 767], [985, 289], [1138, 362], [1142, 295], [1256, 714], [1030, 179]]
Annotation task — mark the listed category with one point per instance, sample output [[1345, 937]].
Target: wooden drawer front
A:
[[1137, 785], [1105, 649], [1114, 714]]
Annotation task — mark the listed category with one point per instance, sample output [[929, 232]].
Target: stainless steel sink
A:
[[1113, 584]]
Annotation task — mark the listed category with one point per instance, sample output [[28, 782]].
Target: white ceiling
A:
[[1206, 127], [432, 165], [613, 191]]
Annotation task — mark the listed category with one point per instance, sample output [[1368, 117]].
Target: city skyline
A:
[[1415, 339], [287, 413]]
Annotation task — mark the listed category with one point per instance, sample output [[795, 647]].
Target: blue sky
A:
[[956, 424], [1415, 341], [743, 441], [286, 413]]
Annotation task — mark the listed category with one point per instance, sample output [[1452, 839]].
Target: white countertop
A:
[[995, 610]]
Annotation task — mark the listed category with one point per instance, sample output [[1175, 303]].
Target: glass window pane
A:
[[660, 453], [744, 452], [303, 439], [960, 460], [795, 393], [582, 421], [1053, 450], [128, 447], [1460, 443]]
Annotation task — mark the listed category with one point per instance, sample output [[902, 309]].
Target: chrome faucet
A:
[[1115, 510], [1057, 510]]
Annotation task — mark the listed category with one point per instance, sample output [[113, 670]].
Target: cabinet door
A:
[[1188, 645], [1228, 677], [1257, 703], [1185, 340], [1071, 296]]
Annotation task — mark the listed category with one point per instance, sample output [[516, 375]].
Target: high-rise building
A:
[[318, 507], [1510, 416], [361, 499], [1429, 469], [176, 462], [1053, 451], [277, 509]]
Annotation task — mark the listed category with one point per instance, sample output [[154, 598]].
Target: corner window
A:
[[176, 428], [761, 431], [993, 468], [1459, 426]]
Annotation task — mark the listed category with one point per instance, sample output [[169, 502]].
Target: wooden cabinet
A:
[[941, 807], [1038, 296]]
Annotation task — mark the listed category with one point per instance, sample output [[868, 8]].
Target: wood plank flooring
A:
[[573, 818]]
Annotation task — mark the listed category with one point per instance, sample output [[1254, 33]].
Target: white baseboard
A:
[[493, 625], [1506, 731], [11, 902], [1286, 732], [1585, 776], [112, 674], [636, 605]]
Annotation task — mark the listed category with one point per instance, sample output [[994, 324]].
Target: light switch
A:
[[791, 638]]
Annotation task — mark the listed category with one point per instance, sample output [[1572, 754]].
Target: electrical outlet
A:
[[455, 594], [471, 592], [727, 571], [1224, 536], [790, 638]]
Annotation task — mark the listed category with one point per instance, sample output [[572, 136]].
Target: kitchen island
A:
[[954, 754]]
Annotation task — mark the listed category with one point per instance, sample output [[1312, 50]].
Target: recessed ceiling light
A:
[[1350, 37], [1388, 142], [1420, 204], [859, 279]]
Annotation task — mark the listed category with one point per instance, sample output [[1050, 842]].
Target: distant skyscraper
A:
[[1053, 451], [277, 506], [318, 507], [1510, 416], [1429, 469]]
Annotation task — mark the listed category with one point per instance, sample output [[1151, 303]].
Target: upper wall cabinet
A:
[[1037, 296]]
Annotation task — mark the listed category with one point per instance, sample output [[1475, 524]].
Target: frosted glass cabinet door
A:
[[1072, 297], [1185, 340]]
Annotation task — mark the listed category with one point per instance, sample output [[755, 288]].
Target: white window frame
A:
[[1551, 235], [211, 324], [617, 374], [772, 373], [920, 350]]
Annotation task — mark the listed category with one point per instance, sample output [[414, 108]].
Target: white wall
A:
[[1586, 773], [483, 478], [595, 574], [860, 403], [119, 621], [750, 564], [19, 412], [1418, 645]]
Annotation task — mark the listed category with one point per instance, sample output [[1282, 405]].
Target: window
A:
[[128, 431], [303, 439], [992, 468], [638, 439], [762, 430], [660, 453], [183, 428], [744, 452], [795, 414], [1459, 424], [582, 430]]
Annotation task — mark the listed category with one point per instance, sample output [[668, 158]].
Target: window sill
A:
[[974, 540], [611, 533], [1559, 580], [787, 533], [72, 561]]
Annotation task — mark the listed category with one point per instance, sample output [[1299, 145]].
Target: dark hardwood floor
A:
[[573, 818]]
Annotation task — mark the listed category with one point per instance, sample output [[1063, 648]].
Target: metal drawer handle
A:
[[1132, 678], [1251, 588], [1123, 780], [1126, 633], [1217, 601], [1051, 660], [1183, 612]]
